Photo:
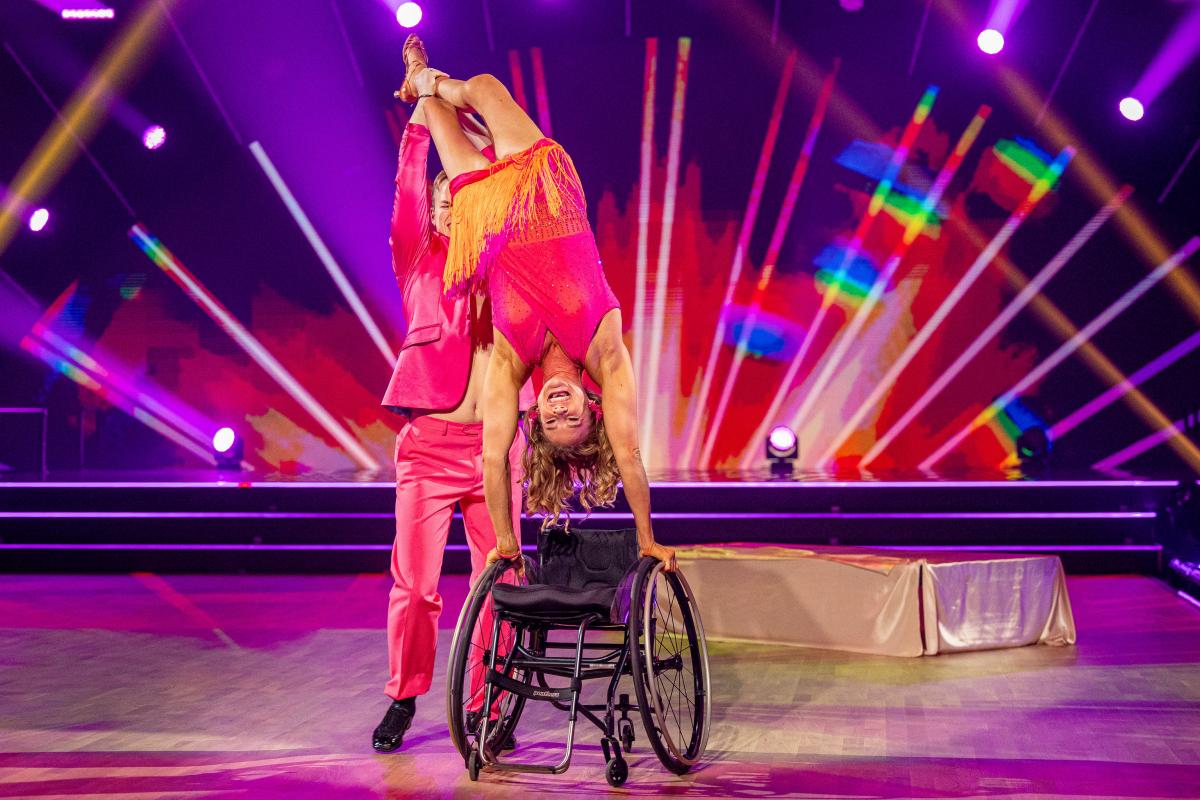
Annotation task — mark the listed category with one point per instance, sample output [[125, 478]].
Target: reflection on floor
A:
[[269, 686]]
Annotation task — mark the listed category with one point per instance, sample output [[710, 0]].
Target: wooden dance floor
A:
[[268, 686]]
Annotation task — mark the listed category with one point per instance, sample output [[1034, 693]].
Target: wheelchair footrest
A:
[[507, 684]]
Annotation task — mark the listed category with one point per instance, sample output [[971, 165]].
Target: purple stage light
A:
[[154, 137], [782, 438], [408, 15], [38, 220], [88, 13], [1132, 109], [223, 440], [991, 41]]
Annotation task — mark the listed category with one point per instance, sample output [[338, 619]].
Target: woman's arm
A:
[[619, 402], [501, 388]]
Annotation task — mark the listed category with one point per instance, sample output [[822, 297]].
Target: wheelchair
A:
[[584, 581]]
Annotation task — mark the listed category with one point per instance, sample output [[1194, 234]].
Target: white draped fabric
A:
[[877, 601]]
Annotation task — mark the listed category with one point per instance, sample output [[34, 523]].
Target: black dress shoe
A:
[[473, 720], [389, 734]]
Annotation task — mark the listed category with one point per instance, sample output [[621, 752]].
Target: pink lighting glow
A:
[[408, 15], [990, 41]]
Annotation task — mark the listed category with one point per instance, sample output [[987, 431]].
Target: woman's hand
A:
[[494, 556], [664, 554]]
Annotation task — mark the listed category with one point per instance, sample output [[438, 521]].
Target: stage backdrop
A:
[[853, 224]]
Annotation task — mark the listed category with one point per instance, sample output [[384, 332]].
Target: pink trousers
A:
[[438, 464]]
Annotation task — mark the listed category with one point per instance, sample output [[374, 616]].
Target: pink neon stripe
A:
[[518, 80], [774, 247], [645, 169], [543, 98], [739, 255]]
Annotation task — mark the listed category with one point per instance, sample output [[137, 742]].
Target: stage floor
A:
[[136, 686]]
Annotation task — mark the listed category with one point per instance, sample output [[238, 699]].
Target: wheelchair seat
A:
[[540, 599]]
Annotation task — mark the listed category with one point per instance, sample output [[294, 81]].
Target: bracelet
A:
[[507, 555], [426, 95]]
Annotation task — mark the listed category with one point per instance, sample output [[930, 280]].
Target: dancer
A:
[[438, 384], [520, 229]]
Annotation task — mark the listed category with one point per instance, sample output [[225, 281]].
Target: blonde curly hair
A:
[[552, 472]]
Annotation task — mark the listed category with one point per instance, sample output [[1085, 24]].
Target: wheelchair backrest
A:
[[585, 559]]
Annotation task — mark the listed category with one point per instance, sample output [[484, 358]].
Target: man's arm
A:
[[411, 223], [501, 387]]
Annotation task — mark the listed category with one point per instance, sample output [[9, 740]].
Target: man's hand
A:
[[664, 554]]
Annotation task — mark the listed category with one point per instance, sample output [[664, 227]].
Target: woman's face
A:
[[441, 205], [563, 411]]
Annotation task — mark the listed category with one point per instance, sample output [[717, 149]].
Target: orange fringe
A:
[[525, 193]]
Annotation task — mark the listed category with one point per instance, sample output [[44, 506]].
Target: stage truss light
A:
[[38, 220], [154, 137], [88, 13], [1033, 447], [782, 449], [1132, 109], [990, 41], [228, 449], [408, 15]]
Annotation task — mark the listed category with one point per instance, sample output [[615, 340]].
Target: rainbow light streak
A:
[[540, 93], [739, 253], [674, 142], [1036, 193], [1070, 346], [1014, 307], [774, 248], [899, 156], [65, 367], [1169, 433], [518, 79], [646, 168], [1177, 52], [81, 116], [1023, 157], [326, 258], [912, 231], [168, 263], [1114, 393]]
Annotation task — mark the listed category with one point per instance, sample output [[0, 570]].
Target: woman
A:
[[519, 228]]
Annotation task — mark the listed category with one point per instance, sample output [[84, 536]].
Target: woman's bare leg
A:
[[512, 129], [456, 151]]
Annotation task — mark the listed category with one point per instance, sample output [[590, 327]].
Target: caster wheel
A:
[[473, 765], [627, 736], [616, 772]]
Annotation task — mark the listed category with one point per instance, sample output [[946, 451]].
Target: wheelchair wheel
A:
[[469, 654], [670, 666]]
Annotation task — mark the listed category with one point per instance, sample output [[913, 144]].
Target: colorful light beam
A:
[[641, 264], [253, 348], [913, 230], [1069, 347], [323, 254], [674, 146], [1039, 189], [739, 256], [539, 90], [1014, 307], [899, 156]]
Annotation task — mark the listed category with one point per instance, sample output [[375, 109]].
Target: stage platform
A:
[[215, 522], [138, 686]]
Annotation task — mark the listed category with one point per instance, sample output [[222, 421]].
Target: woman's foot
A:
[[415, 59]]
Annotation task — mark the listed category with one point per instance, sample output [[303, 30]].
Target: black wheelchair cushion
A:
[[539, 599]]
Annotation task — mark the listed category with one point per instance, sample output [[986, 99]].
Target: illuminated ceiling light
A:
[[154, 137], [991, 41], [38, 220], [88, 13], [1132, 109], [408, 15]]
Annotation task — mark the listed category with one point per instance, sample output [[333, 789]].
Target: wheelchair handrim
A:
[[647, 648]]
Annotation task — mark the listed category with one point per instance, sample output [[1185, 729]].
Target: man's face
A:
[[440, 212]]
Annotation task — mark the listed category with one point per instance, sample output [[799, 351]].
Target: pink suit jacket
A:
[[434, 362]]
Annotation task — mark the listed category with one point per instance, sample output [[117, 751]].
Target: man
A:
[[437, 383]]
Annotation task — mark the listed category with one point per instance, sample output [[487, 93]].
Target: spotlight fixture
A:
[[990, 41], [154, 137], [782, 450], [1033, 447], [38, 220], [1132, 109], [88, 13], [408, 14], [228, 449]]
